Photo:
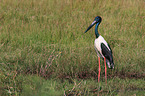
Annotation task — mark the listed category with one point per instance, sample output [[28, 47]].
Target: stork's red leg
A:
[[105, 70], [99, 69]]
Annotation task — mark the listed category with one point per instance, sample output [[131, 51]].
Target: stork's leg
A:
[[99, 69], [105, 70]]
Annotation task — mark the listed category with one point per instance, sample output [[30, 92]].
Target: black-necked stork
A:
[[102, 48]]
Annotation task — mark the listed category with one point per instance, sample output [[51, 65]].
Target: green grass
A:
[[44, 51]]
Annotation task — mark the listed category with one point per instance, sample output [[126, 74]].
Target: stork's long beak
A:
[[94, 22]]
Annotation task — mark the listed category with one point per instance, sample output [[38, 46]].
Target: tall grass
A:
[[46, 39]]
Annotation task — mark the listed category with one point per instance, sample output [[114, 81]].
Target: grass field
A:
[[44, 51]]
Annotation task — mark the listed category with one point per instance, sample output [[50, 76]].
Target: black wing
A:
[[106, 52], [110, 48]]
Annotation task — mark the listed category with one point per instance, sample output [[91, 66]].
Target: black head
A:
[[97, 19]]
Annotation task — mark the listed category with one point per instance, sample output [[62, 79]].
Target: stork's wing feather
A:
[[109, 47], [106, 52]]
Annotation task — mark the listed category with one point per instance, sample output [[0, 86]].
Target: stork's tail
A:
[[110, 65]]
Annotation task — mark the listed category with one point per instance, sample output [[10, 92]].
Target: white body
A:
[[97, 45]]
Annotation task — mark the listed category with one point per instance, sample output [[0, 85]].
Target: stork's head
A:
[[97, 19]]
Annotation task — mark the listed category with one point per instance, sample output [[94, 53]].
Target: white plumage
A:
[[97, 45]]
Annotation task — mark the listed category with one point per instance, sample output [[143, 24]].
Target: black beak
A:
[[94, 22]]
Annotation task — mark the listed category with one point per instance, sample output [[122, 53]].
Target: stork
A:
[[102, 48]]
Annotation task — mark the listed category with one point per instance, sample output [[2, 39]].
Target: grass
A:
[[44, 51]]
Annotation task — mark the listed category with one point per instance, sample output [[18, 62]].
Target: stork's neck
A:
[[96, 30]]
